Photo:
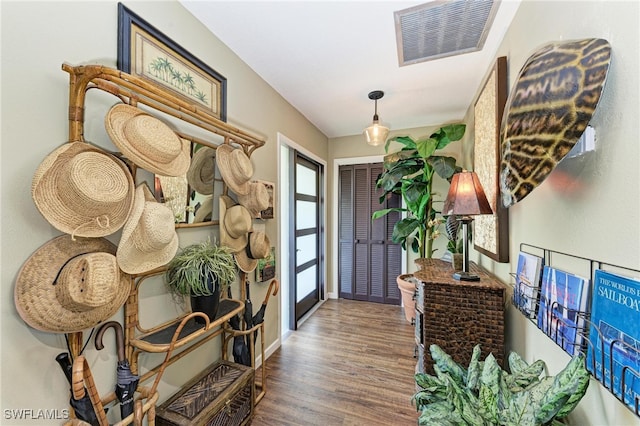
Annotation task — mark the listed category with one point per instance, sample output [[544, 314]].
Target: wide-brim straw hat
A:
[[235, 224], [83, 191], [68, 286], [149, 239], [256, 200], [258, 247], [147, 141], [205, 210], [202, 170], [235, 168]]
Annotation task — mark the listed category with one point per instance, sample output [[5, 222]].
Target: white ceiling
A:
[[324, 57]]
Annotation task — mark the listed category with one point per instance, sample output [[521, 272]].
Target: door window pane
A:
[[305, 180], [306, 281], [306, 248], [305, 214]]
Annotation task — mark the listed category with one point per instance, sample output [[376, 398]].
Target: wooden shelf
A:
[[159, 339]]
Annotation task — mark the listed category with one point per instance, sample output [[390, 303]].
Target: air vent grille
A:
[[442, 28]]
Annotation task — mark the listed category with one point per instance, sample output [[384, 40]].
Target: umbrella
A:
[[240, 349], [248, 310], [258, 318], [126, 382], [83, 408]]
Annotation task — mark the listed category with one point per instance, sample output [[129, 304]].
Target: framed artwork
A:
[[145, 52], [266, 268], [491, 232], [269, 212]]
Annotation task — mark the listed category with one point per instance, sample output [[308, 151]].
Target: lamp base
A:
[[465, 276]]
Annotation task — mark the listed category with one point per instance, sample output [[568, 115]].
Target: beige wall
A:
[[589, 206], [37, 37]]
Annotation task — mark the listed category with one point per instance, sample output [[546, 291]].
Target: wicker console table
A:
[[457, 315]]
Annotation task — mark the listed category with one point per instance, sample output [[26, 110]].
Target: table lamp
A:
[[466, 198]]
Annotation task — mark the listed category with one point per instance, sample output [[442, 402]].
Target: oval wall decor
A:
[[548, 109]]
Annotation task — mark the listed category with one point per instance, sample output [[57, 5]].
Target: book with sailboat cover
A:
[[614, 335], [528, 274], [562, 308]]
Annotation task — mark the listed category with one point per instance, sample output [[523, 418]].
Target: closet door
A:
[[368, 261]]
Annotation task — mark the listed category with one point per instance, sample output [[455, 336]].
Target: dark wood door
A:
[[369, 261]]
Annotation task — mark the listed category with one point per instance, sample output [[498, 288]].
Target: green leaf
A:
[[426, 147], [378, 214], [445, 167], [403, 228], [406, 141], [447, 134]]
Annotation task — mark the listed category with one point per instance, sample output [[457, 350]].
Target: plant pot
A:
[[407, 290], [207, 304], [456, 261]]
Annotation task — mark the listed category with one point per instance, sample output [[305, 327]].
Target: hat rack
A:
[[134, 90]]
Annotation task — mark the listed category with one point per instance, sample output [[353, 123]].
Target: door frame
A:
[[283, 242], [334, 215]]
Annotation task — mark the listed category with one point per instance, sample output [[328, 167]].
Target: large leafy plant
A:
[[410, 172], [484, 394]]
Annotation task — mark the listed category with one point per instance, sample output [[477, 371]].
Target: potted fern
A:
[[202, 271]]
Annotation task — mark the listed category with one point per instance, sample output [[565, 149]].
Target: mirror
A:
[[191, 196]]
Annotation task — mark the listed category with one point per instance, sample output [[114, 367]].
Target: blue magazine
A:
[[563, 302], [527, 286], [614, 335]]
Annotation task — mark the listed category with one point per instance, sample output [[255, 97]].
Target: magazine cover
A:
[[528, 274], [615, 311], [562, 296]]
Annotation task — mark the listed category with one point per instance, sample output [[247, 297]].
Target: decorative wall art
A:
[[549, 108], [491, 232], [146, 52]]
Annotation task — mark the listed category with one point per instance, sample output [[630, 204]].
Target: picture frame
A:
[[146, 52], [491, 232], [269, 212], [266, 268]]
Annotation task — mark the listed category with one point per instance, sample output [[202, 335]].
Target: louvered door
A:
[[368, 261]]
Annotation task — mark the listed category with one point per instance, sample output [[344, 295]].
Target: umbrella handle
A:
[[117, 328], [274, 283]]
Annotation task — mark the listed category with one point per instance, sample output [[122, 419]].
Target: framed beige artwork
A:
[[491, 232]]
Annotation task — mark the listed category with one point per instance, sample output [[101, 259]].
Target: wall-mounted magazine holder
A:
[[613, 357]]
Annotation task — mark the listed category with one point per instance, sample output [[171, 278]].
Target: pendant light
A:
[[376, 134]]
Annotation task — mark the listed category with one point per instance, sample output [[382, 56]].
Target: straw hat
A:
[[82, 190], [68, 286], [202, 170], [147, 141], [256, 200], [205, 210], [149, 237], [235, 167], [235, 224], [258, 247]]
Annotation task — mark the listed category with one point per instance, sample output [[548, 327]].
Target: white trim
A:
[[334, 214], [284, 140]]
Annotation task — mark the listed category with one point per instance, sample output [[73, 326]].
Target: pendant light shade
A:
[[376, 133]]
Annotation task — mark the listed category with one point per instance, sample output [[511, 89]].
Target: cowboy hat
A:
[[147, 141], [235, 167], [149, 237], [256, 200], [202, 171], [258, 247], [68, 286], [82, 190], [235, 224]]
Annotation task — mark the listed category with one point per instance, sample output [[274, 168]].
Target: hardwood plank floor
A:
[[351, 363]]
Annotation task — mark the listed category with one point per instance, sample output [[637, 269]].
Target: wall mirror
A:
[[192, 196]]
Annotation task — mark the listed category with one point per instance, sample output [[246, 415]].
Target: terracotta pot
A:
[[407, 289]]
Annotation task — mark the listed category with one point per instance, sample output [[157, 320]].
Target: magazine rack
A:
[[605, 372]]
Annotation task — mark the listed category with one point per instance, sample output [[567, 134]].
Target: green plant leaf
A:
[[426, 147], [406, 141], [445, 167], [378, 214], [403, 228]]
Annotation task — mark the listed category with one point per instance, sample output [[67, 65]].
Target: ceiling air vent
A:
[[442, 28]]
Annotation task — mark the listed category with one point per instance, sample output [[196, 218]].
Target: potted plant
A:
[[202, 271], [410, 172], [484, 394]]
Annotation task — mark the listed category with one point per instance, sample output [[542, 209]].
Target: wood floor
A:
[[351, 363]]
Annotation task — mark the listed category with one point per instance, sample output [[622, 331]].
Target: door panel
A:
[[368, 261]]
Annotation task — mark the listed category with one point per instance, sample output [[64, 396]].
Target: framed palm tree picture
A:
[[145, 52]]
